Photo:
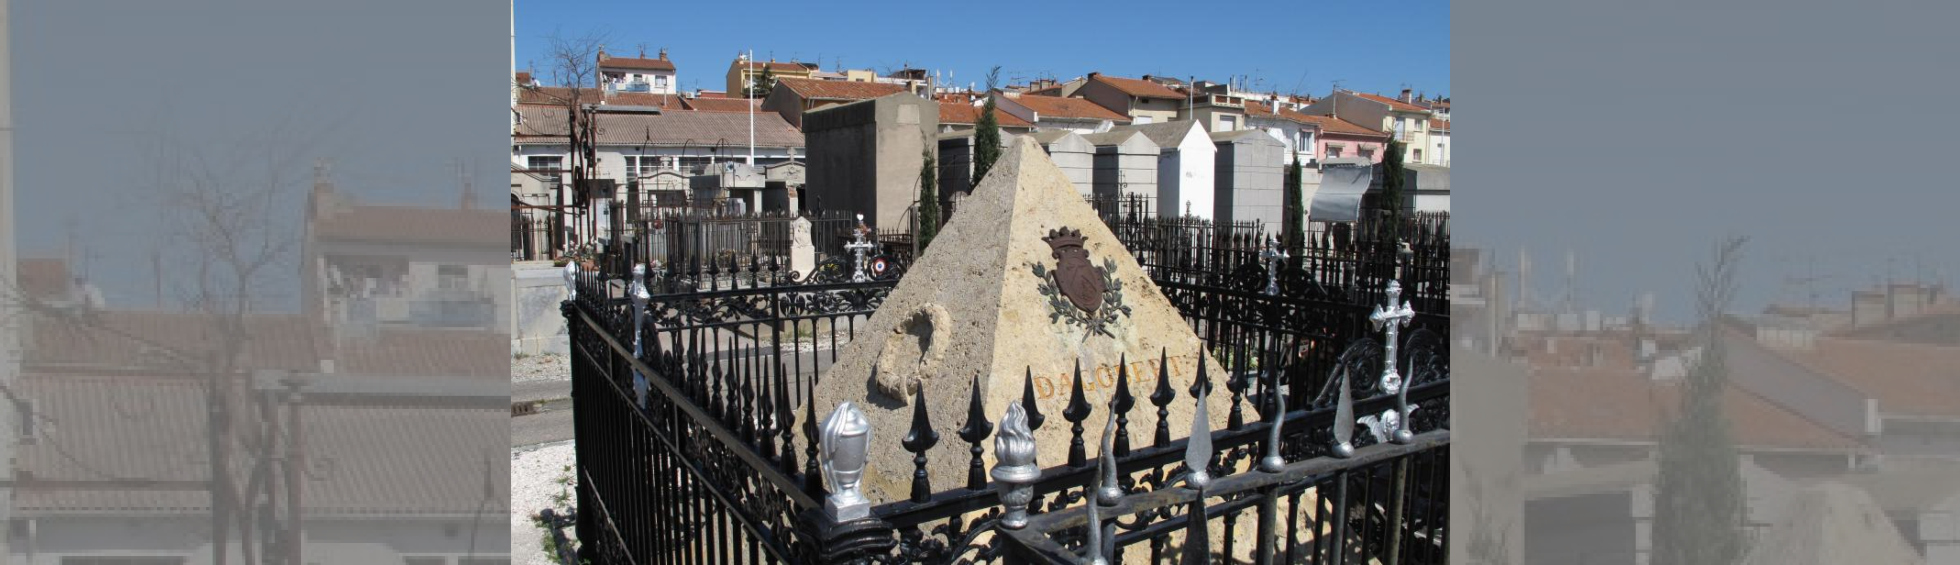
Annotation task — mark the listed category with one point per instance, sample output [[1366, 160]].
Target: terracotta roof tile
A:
[[1906, 379], [811, 89], [662, 101], [145, 339], [42, 278], [1138, 87], [1392, 103], [705, 104], [956, 113], [543, 124], [419, 351], [398, 225], [1255, 108], [1436, 124], [775, 66], [387, 460], [1337, 126], [1068, 108], [1566, 405], [636, 64], [557, 95]]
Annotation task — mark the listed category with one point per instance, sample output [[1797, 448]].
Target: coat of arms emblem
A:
[[1079, 280], [1078, 290]]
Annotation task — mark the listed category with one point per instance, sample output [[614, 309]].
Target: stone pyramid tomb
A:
[[1832, 523], [1024, 279]]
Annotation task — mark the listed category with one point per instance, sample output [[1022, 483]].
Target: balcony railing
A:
[[635, 86]]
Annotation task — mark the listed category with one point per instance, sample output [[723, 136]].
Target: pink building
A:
[[1341, 139]]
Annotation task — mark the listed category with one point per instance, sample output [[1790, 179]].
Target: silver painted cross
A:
[[1392, 318], [1272, 255], [859, 248]]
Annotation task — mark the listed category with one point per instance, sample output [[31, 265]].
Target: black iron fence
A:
[[681, 237], [534, 234], [684, 397]]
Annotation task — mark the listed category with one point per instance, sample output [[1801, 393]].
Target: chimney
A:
[[1405, 95], [663, 53]]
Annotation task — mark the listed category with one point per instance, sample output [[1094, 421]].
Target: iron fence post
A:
[[1263, 548], [1398, 491], [583, 515], [854, 541]]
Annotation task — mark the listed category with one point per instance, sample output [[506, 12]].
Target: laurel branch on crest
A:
[[1060, 309]]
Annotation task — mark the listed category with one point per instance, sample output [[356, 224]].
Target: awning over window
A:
[[1339, 197]]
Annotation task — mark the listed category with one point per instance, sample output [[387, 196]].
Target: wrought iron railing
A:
[[686, 382]]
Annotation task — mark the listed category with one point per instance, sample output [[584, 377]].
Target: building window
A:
[[641, 166], [1418, 158], [1367, 152], [1228, 123], [1334, 151], [1144, 120], [545, 162], [452, 277], [660, 81]]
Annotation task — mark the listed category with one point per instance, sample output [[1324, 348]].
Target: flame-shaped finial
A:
[[1015, 470], [846, 437]]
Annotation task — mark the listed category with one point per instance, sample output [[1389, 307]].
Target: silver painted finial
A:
[[1197, 448], [1110, 492], [845, 439], [571, 278], [1344, 417], [638, 291], [1015, 470], [1272, 462]]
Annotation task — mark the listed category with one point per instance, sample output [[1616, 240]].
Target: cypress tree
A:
[[1294, 219], [986, 139], [928, 201], [763, 84], [1698, 498], [1392, 177]]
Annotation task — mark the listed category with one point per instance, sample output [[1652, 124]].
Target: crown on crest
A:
[[1064, 237]]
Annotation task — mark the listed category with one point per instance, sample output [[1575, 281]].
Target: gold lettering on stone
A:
[[1058, 389]]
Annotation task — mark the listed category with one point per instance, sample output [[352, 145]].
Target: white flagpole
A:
[[752, 104]]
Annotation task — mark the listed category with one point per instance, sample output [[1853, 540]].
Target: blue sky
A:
[[96, 100], [1286, 47]]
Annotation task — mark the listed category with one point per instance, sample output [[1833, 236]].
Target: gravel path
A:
[[541, 367], [534, 474]]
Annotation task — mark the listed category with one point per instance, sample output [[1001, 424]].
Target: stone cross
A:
[[1392, 318], [859, 248], [1272, 256]]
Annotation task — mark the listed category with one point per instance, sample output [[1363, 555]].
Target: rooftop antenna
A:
[[1524, 277], [1808, 282], [1335, 95], [1571, 274]]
